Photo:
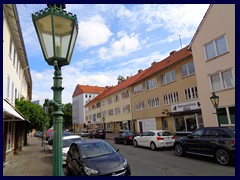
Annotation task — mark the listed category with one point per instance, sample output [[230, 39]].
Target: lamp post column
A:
[[57, 121]]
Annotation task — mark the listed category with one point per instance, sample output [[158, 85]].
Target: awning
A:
[[10, 113]]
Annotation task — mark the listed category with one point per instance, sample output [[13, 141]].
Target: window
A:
[[110, 112], [103, 103], [153, 102], [226, 115], [139, 106], [116, 98], [138, 89], [222, 80], [125, 94], [126, 109], [216, 48], [104, 113], [98, 115], [12, 92], [170, 98], [191, 93], [117, 111], [14, 58], [188, 69], [98, 105], [109, 100], [8, 87], [168, 77], [10, 127], [151, 84], [10, 48]]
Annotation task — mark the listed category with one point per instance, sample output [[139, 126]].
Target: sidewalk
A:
[[33, 160]]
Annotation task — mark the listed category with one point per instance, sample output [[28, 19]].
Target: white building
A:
[[17, 82], [81, 96]]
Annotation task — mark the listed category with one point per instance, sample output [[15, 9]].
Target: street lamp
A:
[[57, 32], [215, 101]]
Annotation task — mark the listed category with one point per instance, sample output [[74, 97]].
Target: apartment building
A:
[[166, 96], [81, 96], [17, 82], [213, 49], [112, 109]]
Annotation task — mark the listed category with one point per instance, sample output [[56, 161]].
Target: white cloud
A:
[[125, 45], [93, 32]]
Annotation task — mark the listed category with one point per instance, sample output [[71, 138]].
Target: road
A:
[[145, 162]]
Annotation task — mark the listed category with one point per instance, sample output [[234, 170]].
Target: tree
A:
[[32, 112], [120, 79], [67, 117]]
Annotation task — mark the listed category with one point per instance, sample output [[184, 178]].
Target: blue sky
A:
[[113, 39]]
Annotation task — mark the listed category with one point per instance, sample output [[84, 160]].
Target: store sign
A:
[[187, 106]]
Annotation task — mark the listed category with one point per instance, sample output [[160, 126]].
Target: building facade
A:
[[81, 96], [166, 96], [213, 49], [17, 82]]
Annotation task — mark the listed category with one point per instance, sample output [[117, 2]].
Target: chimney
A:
[[171, 53], [140, 70]]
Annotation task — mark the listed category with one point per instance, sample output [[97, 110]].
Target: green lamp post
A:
[[57, 32], [215, 101]]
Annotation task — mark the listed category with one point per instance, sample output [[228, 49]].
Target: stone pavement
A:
[[33, 160]]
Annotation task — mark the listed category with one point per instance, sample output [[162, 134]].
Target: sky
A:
[[113, 40]]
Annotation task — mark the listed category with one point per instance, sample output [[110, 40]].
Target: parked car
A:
[[217, 142], [95, 157], [50, 139], [154, 139], [85, 133], [125, 137], [66, 142], [98, 133]]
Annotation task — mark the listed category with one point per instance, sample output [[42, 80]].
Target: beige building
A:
[[17, 82], [166, 96], [213, 49]]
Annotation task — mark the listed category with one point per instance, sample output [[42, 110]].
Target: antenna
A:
[[180, 41]]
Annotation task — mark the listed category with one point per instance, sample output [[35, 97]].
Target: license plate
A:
[[168, 142]]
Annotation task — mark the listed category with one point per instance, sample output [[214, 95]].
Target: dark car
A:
[[95, 157], [125, 137], [217, 142], [98, 133]]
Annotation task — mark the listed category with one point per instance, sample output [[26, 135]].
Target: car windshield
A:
[[96, 149], [68, 142]]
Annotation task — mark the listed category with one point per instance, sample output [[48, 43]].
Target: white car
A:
[[66, 142], [154, 139]]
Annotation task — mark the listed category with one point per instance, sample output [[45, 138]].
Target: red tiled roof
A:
[[170, 60], [156, 67], [80, 89]]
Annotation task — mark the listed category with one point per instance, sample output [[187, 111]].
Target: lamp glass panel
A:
[[44, 30], [63, 31], [74, 37]]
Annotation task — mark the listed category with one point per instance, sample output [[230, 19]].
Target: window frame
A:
[[187, 68], [215, 49], [164, 77]]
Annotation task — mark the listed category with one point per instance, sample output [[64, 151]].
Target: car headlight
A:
[[125, 163], [90, 171]]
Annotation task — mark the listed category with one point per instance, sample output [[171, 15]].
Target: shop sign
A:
[[187, 106]]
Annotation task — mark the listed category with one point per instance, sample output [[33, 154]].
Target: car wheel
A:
[[153, 146], [179, 150], [115, 141], [223, 157], [125, 142], [135, 143]]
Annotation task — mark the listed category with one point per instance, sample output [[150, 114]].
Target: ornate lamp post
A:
[[215, 101], [57, 32]]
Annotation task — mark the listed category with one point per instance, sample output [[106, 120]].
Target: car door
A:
[[143, 139], [191, 143]]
